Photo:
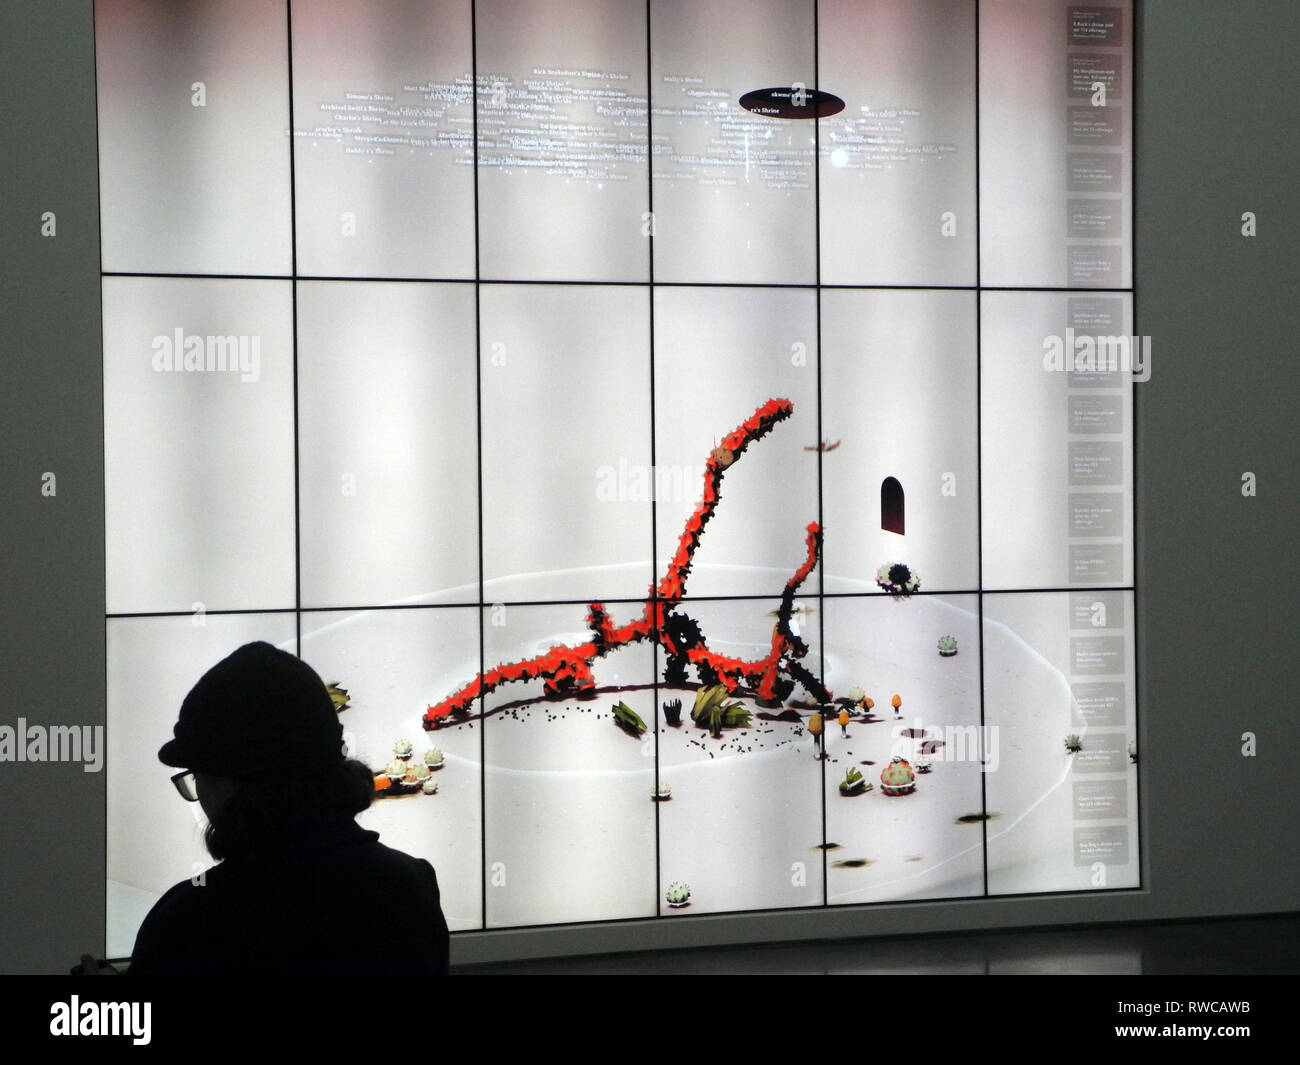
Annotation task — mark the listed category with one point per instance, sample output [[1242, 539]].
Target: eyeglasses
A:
[[185, 784]]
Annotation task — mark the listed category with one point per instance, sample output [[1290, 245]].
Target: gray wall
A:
[[1216, 119]]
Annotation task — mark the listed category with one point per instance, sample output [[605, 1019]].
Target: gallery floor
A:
[[1238, 946]]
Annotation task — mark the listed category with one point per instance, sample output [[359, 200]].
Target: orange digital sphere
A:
[[896, 702]]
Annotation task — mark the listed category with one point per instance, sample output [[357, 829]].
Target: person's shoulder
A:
[[416, 900], [188, 894], [382, 854], [179, 917], [361, 858]]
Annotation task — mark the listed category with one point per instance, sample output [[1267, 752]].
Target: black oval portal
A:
[[792, 102]]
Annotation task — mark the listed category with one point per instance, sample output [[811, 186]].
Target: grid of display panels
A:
[[425, 323]]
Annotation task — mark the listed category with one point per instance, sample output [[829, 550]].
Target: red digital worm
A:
[[566, 670]]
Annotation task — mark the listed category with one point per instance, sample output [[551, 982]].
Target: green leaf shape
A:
[[628, 718], [713, 710]]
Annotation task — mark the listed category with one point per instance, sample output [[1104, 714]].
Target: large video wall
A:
[[695, 438]]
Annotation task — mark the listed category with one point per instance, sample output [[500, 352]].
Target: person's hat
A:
[[257, 712]]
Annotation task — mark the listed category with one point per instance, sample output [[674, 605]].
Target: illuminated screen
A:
[[701, 431]]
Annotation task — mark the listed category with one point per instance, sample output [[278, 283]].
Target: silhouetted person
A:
[[301, 887]]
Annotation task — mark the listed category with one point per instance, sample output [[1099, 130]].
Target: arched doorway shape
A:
[[891, 505]]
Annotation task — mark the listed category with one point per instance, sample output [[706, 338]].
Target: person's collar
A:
[[319, 837]]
